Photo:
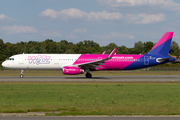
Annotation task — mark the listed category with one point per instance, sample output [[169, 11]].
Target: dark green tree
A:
[[147, 46], [2, 46], [174, 47], [138, 47]]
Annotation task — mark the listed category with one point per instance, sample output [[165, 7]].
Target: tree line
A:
[[83, 47]]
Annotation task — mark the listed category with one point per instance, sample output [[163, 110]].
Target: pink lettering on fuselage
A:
[[39, 59]]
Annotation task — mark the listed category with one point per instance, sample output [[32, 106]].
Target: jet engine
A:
[[69, 70]]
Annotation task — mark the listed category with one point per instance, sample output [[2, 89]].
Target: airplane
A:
[[72, 64]]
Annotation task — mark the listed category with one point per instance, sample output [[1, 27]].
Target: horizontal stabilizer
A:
[[164, 59]]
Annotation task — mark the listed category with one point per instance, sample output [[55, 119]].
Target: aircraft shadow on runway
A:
[[100, 77]]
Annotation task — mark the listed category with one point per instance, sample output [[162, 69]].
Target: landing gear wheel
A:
[[21, 76], [88, 75]]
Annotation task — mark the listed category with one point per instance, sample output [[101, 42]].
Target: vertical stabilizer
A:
[[163, 45]]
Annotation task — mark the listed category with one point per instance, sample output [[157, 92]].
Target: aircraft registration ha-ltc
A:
[[72, 64]]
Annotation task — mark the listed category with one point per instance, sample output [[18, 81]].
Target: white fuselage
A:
[[40, 61]]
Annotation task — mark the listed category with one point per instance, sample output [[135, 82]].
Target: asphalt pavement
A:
[[134, 78]]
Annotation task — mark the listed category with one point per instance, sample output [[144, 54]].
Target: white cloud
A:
[[145, 18], [104, 16], [51, 33], [165, 4], [118, 3], [5, 18], [80, 30], [73, 13], [18, 29]]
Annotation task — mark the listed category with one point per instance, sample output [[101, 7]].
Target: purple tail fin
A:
[[163, 45]]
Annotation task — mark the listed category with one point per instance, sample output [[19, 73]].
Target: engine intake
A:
[[68, 70]]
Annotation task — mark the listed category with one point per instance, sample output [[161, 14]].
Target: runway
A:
[[108, 79]]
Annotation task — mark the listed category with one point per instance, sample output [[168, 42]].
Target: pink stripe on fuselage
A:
[[84, 58], [117, 62], [164, 38]]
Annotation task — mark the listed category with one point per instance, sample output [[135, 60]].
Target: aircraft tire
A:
[[88, 75], [21, 76]]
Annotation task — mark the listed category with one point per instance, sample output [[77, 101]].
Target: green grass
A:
[[91, 98]]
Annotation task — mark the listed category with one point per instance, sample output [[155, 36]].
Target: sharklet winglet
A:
[[112, 53], [104, 52]]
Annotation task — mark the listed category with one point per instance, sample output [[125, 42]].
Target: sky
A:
[[122, 22]]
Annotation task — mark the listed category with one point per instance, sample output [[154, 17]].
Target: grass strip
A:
[[91, 98]]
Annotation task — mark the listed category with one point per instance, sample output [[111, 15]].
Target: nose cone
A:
[[4, 64]]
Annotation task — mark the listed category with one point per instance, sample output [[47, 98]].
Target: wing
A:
[[95, 64]]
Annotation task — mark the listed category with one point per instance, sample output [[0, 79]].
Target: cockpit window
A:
[[10, 59]]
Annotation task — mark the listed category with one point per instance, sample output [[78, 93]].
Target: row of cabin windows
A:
[[68, 59], [110, 59], [51, 59], [90, 59]]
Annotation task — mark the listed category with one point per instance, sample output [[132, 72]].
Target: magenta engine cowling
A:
[[72, 70]]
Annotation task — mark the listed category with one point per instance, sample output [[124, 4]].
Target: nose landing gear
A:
[[21, 76]]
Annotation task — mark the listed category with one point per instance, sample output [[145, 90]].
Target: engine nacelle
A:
[[68, 70]]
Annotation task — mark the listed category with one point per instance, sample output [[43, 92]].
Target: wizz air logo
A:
[[39, 59]]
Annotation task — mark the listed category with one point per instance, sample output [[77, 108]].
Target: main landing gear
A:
[[21, 76], [88, 75]]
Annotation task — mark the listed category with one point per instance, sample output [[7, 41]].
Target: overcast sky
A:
[[122, 22]]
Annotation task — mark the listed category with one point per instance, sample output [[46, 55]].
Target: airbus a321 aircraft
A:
[[72, 64]]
